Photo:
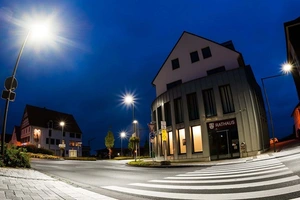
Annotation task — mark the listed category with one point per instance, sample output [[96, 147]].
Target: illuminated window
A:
[[171, 147], [182, 141], [197, 139]]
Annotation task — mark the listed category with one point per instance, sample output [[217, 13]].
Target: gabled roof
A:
[[227, 44], [41, 116]]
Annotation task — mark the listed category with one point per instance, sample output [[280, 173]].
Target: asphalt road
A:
[[275, 178]]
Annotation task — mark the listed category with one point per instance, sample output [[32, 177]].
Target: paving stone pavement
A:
[[28, 184]]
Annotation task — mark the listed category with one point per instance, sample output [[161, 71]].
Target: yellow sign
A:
[[164, 134]]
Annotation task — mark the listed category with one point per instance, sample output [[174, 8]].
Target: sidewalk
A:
[[28, 184]]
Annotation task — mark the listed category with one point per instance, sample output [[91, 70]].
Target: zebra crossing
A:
[[262, 179]]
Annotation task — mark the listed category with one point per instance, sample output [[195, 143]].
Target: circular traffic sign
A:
[[11, 83]]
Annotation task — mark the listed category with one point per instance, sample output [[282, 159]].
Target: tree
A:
[[134, 141], [109, 142]]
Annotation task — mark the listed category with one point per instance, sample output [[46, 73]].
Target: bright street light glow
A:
[[135, 121], [287, 67], [40, 31], [62, 123], [128, 99], [123, 134]]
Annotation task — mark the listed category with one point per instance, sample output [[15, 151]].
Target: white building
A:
[[210, 101], [42, 127]]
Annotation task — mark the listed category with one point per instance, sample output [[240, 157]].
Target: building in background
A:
[[292, 36], [210, 102], [42, 127]]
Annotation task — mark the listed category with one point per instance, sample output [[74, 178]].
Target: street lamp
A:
[[286, 68], [62, 124], [11, 82], [123, 134], [129, 100]]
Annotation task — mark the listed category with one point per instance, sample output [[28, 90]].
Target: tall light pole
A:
[[123, 134], [11, 82], [62, 124], [286, 68], [129, 100]]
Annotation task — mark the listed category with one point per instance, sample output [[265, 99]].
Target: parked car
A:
[[272, 140]]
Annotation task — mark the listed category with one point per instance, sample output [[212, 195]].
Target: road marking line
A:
[[224, 180], [184, 176], [216, 187], [204, 173], [223, 196]]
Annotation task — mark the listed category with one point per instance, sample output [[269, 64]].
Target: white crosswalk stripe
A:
[[260, 179]]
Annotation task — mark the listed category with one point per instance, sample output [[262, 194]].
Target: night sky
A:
[[105, 49]]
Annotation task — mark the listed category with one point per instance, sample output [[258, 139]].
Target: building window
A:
[[175, 63], [50, 132], [209, 103], [47, 140], [226, 99], [192, 105], [216, 70], [52, 141], [194, 56], [78, 135], [173, 84], [182, 141], [178, 110], [197, 139], [57, 141], [72, 135], [206, 52], [159, 116], [171, 147], [167, 110]]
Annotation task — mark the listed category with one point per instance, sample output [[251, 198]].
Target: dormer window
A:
[[194, 56], [175, 63], [206, 52]]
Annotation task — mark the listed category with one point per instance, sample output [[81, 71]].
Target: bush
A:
[[165, 162], [43, 156], [142, 163], [81, 158], [16, 157], [33, 149]]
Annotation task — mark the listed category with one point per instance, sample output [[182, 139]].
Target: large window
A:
[[197, 139], [167, 110], [171, 147], [192, 104], [216, 70], [174, 84], [182, 141], [154, 116], [175, 63], [194, 56], [178, 110], [159, 116], [226, 99], [209, 103]]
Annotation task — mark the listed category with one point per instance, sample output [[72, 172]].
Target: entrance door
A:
[[223, 144]]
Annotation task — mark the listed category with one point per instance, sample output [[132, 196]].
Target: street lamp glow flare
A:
[[62, 123], [128, 99], [286, 68], [40, 31]]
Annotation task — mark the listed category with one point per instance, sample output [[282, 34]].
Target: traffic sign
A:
[[152, 136], [11, 83], [8, 95]]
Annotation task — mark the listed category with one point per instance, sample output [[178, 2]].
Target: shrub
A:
[[16, 157], [81, 158], [165, 162], [43, 156], [142, 163], [33, 149]]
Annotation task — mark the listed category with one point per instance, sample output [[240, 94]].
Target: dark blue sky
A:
[[108, 48]]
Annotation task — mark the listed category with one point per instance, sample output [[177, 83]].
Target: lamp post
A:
[[11, 82], [129, 100], [286, 68], [123, 134], [62, 124]]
